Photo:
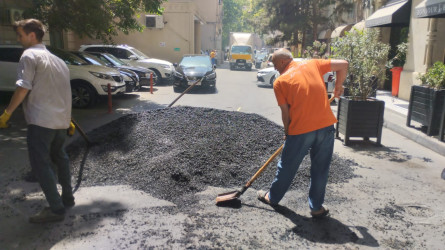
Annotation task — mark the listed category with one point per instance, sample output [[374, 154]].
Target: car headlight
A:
[[127, 78], [101, 75], [177, 74], [165, 66], [211, 75]]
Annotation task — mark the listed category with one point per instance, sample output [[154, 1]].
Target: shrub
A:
[[366, 56], [435, 76]]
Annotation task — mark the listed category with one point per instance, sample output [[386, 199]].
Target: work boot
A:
[[46, 215]]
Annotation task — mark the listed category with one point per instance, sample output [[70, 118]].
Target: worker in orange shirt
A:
[[308, 125]]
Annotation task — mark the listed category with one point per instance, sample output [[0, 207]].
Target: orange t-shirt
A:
[[302, 87]]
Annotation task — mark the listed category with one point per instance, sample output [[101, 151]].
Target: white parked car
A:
[[163, 69], [268, 75], [87, 81]]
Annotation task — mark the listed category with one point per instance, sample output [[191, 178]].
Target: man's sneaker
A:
[[46, 215]]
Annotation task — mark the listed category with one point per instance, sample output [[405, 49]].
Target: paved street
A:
[[396, 201]]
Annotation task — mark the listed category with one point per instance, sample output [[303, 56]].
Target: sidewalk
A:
[[396, 112]]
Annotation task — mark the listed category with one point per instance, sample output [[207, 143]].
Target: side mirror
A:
[[133, 57], [214, 66], [175, 65]]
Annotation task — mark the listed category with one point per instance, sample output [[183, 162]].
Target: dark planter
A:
[[426, 107], [360, 119]]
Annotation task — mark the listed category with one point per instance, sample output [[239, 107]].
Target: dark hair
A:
[[31, 25]]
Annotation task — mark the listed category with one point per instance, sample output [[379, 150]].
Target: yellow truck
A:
[[241, 50]]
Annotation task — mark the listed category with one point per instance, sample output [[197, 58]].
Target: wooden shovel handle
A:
[[264, 167]]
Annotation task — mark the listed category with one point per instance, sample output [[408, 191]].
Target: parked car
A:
[[192, 68], [88, 82], [143, 73], [134, 57], [260, 60], [268, 75], [131, 79]]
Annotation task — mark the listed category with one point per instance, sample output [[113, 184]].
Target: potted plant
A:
[[426, 103], [359, 113], [396, 66]]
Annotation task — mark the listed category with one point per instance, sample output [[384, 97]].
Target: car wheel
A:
[[82, 95], [272, 79]]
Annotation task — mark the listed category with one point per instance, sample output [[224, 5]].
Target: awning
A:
[[394, 13], [324, 34], [359, 26], [430, 8], [340, 31]]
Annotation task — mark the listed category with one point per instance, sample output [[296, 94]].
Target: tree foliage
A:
[[235, 18], [99, 19]]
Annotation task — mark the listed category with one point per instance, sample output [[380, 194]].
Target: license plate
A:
[[191, 83], [240, 63]]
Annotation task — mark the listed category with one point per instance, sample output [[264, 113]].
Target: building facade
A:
[[185, 27]]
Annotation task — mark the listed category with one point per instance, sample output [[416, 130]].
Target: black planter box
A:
[[426, 107], [360, 119]]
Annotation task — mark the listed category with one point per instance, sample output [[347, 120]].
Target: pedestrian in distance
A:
[[43, 89], [308, 125], [213, 57]]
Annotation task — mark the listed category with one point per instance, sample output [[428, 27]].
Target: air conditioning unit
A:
[[15, 15], [154, 21]]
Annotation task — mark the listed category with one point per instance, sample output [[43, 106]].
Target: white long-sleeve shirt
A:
[[48, 103]]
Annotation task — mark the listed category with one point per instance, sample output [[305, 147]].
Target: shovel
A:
[[185, 91], [230, 196]]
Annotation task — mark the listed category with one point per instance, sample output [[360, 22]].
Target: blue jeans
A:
[[320, 144], [47, 155]]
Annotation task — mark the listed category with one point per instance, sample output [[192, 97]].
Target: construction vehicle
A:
[[241, 50]]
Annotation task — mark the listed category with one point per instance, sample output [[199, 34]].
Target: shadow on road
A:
[[369, 148], [327, 230]]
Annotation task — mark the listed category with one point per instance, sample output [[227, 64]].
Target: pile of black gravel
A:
[[173, 153]]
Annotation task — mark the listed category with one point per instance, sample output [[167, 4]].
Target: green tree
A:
[[235, 18], [99, 19]]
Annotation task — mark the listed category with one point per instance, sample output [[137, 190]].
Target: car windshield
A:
[[139, 54], [241, 49], [114, 60], [195, 61], [92, 59], [67, 57]]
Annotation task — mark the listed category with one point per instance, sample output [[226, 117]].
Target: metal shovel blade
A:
[[226, 197]]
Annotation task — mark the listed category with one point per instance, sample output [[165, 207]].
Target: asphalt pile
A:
[[175, 152]]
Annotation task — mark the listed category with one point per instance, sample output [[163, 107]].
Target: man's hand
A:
[[71, 129], [4, 118]]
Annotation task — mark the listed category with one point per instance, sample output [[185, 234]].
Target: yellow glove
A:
[[71, 129], [4, 118]]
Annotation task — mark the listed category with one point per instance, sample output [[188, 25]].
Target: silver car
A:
[[268, 75]]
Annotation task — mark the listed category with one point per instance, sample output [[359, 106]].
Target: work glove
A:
[[71, 129], [4, 118]]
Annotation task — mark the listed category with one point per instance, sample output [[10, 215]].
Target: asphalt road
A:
[[396, 202]]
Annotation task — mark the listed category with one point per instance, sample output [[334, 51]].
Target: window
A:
[[10, 54]]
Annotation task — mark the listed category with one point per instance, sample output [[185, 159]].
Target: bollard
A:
[[151, 83], [109, 99]]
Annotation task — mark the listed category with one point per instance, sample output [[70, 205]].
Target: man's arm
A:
[[18, 97], [285, 117], [340, 67]]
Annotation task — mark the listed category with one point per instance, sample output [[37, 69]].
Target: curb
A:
[[397, 123]]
